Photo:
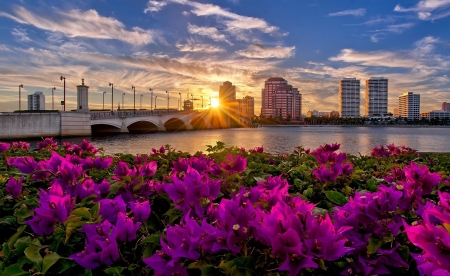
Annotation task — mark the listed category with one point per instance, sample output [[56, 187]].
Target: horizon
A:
[[187, 46]]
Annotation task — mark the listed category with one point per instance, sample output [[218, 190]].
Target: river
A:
[[278, 139]]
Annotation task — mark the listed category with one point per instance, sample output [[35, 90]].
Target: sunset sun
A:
[[214, 102]]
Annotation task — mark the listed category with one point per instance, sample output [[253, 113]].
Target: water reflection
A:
[[278, 140]]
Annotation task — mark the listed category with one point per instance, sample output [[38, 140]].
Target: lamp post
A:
[[155, 101], [202, 101], [64, 99], [112, 96], [151, 99], [104, 92], [180, 100], [134, 93], [140, 107], [123, 100], [167, 92], [210, 102], [20, 105], [53, 98]]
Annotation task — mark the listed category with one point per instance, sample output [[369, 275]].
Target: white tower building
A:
[[409, 106], [376, 96], [36, 101], [349, 97]]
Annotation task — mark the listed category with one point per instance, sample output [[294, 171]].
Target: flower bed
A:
[[70, 210]]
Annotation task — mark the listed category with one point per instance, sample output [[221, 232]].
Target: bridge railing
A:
[[129, 113]]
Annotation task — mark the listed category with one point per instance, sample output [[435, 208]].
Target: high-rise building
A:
[[246, 107], [279, 99], [376, 96], [446, 106], [409, 106], [228, 105], [227, 93], [349, 97], [36, 101]]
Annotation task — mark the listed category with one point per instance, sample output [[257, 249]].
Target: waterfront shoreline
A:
[[396, 126]]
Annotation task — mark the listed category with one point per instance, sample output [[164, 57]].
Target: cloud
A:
[[235, 23], [195, 47], [428, 9], [5, 48], [154, 6], [20, 34], [357, 12], [399, 28], [75, 23], [421, 58], [261, 52], [210, 32]]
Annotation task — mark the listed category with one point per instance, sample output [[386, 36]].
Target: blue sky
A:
[[195, 45]]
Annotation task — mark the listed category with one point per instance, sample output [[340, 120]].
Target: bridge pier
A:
[[161, 126], [123, 128]]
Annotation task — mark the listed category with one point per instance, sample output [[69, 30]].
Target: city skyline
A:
[[184, 45]]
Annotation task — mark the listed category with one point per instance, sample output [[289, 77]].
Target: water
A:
[[280, 139]]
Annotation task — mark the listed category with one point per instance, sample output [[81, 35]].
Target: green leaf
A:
[[95, 209], [9, 220], [375, 243], [308, 192], [23, 212], [49, 260], [320, 211], [259, 179], [322, 264], [336, 197], [32, 253], [16, 236], [82, 212], [117, 270], [209, 270], [152, 239], [239, 266], [14, 270]]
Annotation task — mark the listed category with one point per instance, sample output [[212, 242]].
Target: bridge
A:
[[145, 121]]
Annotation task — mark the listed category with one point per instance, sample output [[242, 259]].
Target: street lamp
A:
[[167, 92], [112, 96], [104, 92], [151, 99], [53, 98], [180, 100], [155, 101], [64, 78], [20, 106], [209, 102], [134, 93], [123, 101], [202, 101], [141, 102]]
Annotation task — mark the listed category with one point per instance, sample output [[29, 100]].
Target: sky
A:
[[193, 46]]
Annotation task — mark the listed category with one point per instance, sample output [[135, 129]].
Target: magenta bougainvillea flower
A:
[[48, 143], [20, 145], [194, 192], [54, 207], [4, 146], [126, 228], [236, 164], [14, 187], [141, 210], [25, 164], [110, 208]]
